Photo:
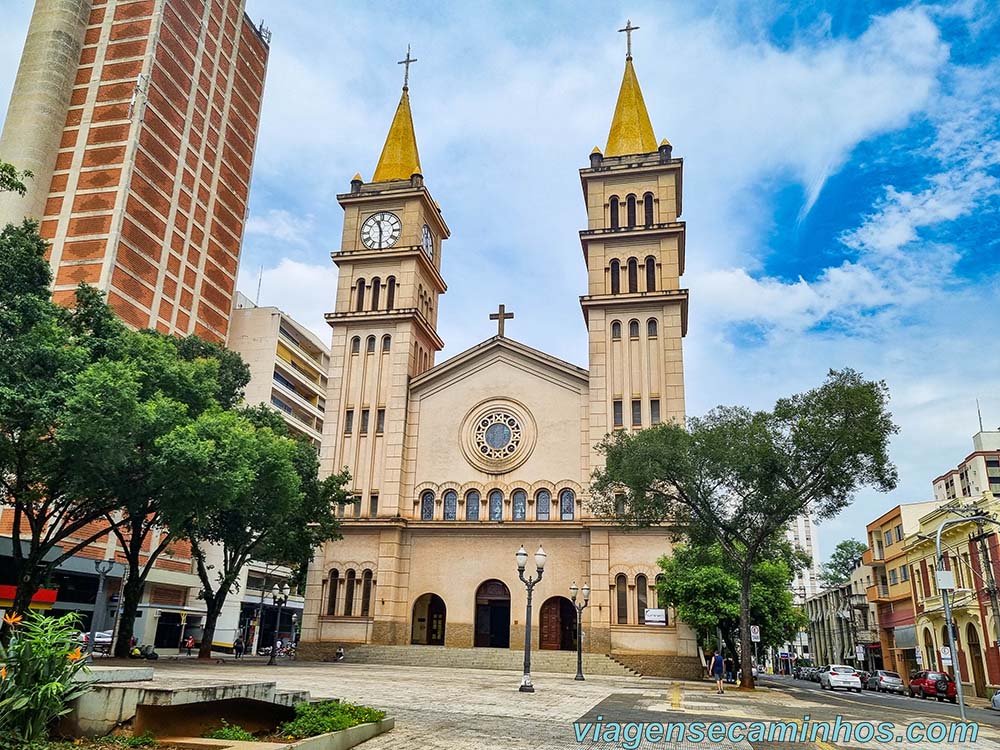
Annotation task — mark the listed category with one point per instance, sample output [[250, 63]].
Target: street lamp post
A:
[[295, 619], [522, 559], [580, 606], [103, 567], [280, 598]]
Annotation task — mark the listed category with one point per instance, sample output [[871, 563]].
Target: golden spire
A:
[[400, 158], [631, 132]]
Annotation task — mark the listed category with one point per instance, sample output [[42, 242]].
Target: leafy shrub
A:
[[37, 666], [327, 716], [230, 732], [130, 741]]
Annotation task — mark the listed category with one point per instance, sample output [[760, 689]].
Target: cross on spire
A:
[[629, 28], [500, 316], [406, 62]]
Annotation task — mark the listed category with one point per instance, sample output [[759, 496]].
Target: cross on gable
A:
[[629, 28], [500, 316]]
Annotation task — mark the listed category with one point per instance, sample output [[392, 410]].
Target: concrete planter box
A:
[[342, 740]]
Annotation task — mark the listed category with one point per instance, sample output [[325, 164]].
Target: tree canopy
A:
[[840, 566]]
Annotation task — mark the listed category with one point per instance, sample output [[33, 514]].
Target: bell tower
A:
[[385, 317], [635, 308]]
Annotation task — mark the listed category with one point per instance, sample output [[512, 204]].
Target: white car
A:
[[834, 676]]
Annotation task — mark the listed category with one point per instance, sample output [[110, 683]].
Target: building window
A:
[[380, 421], [567, 505], [630, 211], [616, 408], [386, 343], [450, 505], [520, 502], [636, 412], [899, 532], [904, 573], [349, 593], [616, 277], [633, 275], [390, 295], [472, 499], [366, 593], [633, 329], [654, 411], [427, 506], [349, 421], [355, 345], [621, 596], [647, 209], [496, 505], [615, 222], [616, 330], [373, 505], [370, 345], [331, 602], [360, 303], [887, 537], [364, 421], [543, 503], [651, 329], [376, 292], [641, 592]]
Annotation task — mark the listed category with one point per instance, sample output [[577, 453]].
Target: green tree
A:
[[12, 181], [266, 500], [739, 476], [842, 561]]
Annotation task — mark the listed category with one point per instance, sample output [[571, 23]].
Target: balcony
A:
[[873, 556], [867, 635], [878, 593]]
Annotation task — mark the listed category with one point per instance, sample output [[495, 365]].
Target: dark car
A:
[[934, 684]]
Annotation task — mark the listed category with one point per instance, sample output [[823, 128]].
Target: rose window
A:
[[497, 435]]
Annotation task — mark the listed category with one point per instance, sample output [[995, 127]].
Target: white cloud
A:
[[302, 290], [280, 224]]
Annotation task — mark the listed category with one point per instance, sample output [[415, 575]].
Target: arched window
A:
[[633, 329], [376, 292], [641, 587], [650, 274], [355, 345], [630, 211], [386, 343], [370, 345], [450, 505], [651, 328], [633, 275], [331, 601], [496, 505], [520, 502], [427, 506], [390, 295], [616, 277], [366, 593], [614, 212], [352, 579], [621, 594], [647, 209], [472, 500], [543, 504], [567, 505], [616, 330], [361, 296]]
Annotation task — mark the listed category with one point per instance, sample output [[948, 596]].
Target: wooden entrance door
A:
[[550, 624], [976, 658]]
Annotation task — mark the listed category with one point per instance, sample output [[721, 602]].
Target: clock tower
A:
[[385, 318]]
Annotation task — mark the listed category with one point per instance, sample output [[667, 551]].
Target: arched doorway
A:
[[929, 650], [493, 614], [557, 624], [428, 621], [976, 658]]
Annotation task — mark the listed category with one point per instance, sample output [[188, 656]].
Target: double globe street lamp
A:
[[580, 606], [280, 599], [522, 560]]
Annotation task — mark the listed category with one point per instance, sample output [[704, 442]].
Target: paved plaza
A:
[[481, 709]]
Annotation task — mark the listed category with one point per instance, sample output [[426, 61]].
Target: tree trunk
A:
[[213, 612], [28, 584], [135, 584], [746, 647]]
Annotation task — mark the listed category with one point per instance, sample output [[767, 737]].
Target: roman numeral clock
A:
[[381, 230]]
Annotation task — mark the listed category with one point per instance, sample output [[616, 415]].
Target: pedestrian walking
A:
[[716, 667], [238, 647], [189, 644]]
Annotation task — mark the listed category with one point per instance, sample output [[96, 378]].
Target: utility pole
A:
[[991, 584]]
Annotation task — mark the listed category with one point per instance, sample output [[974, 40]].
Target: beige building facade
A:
[[457, 464]]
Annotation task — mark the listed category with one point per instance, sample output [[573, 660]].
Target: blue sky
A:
[[842, 183]]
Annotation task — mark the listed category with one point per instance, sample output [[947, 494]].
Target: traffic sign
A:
[[755, 633], [859, 652], [946, 656]]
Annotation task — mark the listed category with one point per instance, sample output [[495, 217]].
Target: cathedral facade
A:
[[456, 464]]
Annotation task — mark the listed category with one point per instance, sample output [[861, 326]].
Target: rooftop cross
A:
[[629, 28], [406, 62], [500, 316]]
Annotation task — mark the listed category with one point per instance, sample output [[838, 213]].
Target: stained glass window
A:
[[472, 505], [567, 505], [520, 500], [450, 505], [543, 503], [496, 505], [427, 506]]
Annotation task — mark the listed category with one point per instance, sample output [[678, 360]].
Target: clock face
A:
[[428, 241], [381, 230]]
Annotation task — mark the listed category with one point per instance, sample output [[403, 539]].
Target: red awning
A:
[[43, 598]]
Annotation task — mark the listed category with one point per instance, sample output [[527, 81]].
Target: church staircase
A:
[[557, 662]]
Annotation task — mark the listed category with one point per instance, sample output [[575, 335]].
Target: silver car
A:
[[885, 681]]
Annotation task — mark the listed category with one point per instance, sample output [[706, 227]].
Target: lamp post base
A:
[[526, 688], [579, 677]]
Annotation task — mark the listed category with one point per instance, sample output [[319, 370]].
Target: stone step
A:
[[290, 697]]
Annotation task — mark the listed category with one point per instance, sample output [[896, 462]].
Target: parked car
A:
[[102, 640], [834, 676], [885, 681], [813, 674], [934, 684]]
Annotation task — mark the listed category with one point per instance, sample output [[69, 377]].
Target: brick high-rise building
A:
[[139, 120]]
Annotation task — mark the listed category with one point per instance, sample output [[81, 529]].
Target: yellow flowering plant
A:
[[39, 659]]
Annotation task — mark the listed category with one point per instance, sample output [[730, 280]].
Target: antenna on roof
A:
[[980, 413], [260, 278]]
